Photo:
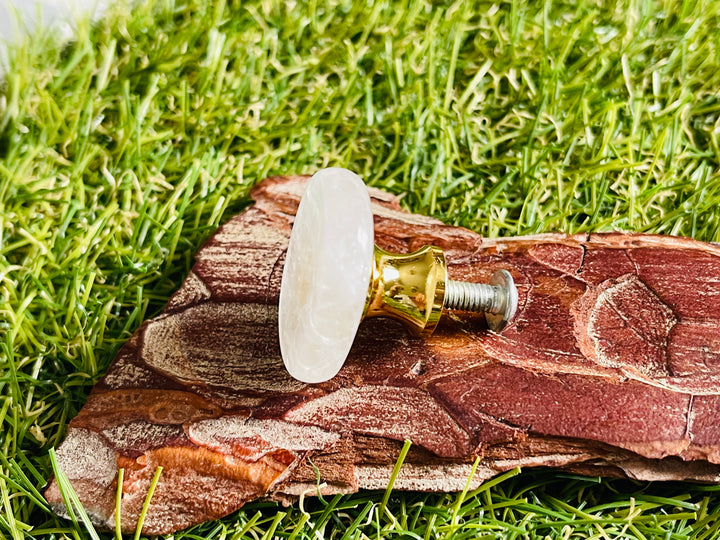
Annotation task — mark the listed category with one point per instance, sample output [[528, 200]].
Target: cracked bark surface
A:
[[611, 367]]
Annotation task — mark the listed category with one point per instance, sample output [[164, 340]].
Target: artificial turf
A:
[[121, 151]]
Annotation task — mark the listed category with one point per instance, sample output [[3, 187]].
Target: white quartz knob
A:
[[326, 276]]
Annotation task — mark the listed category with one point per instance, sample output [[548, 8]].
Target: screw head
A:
[[504, 285]]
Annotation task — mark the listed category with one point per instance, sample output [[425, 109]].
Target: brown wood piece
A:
[[611, 366]]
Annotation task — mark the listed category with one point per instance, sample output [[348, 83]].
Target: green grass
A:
[[123, 150]]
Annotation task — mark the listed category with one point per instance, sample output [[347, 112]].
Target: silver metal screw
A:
[[498, 299]]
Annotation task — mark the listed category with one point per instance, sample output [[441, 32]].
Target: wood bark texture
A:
[[611, 367]]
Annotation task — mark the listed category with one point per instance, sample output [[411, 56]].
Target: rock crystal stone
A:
[[326, 276]]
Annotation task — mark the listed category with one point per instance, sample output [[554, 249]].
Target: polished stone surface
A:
[[326, 276]]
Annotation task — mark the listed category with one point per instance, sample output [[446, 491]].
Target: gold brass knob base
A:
[[408, 287]]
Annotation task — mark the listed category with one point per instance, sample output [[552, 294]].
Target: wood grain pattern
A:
[[611, 366]]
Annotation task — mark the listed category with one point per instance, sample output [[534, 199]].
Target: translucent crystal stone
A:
[[326, 276]]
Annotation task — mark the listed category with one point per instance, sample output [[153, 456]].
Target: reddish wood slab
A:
[[611, 366]]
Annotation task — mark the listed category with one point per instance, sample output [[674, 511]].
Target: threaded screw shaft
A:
[[498, 299], [465, 296]]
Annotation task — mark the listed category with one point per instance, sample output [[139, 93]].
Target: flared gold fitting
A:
[[414, 288], [408, 287]]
